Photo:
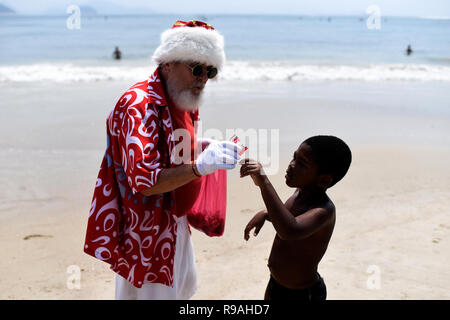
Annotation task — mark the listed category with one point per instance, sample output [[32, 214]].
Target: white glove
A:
[[218, 155], [203, 143]]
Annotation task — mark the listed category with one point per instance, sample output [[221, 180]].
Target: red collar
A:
[[156, 93]]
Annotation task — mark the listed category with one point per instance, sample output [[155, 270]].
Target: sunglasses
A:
[[198, 70]]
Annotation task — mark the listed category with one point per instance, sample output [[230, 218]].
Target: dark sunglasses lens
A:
[[197, 71], [212, 72]]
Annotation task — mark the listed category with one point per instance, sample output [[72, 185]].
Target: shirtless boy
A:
[[305, 222]]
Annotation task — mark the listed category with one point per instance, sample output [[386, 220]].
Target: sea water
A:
[[258, 47]]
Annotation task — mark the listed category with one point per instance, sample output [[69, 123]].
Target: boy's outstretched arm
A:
[[287, 226], [256, 222]]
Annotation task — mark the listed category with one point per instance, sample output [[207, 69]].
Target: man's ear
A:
[[166, 67], [325, 180]]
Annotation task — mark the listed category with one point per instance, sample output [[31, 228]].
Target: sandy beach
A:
[[392, 207]]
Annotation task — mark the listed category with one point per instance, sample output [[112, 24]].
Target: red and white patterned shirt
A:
[[134, 233]]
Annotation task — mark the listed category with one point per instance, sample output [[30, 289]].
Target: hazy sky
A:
[[309, 7]]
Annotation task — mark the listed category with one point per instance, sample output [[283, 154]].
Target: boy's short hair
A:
[[332, 155]]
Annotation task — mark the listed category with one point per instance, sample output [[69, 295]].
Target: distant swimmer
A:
[[117, 54], [409, 50]]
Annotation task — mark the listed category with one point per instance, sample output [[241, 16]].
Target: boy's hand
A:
[[254, 169], [256, 222]]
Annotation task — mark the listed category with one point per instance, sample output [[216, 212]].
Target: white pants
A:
[[184, 274]]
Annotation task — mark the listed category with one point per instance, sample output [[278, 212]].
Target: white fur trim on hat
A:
[[191, 44]]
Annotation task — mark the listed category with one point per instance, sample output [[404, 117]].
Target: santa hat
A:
[[191, 41]]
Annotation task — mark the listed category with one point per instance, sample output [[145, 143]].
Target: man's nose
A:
[[204, 76]]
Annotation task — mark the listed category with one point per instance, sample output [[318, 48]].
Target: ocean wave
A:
[[68, 72], [435, 18], [234, 70], [300, 72]]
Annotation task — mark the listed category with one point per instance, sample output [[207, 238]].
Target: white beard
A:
[[184, 99]]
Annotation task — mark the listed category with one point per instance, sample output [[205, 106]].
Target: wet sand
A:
[[392, 207]]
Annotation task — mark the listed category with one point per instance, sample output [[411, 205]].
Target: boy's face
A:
[[302, 170]]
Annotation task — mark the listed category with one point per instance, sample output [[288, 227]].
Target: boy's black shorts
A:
[[275, 291]]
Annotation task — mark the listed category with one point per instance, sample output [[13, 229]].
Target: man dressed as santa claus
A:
[[135, 222]]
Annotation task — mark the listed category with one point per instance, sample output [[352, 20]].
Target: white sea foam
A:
[[234, 70], [68, 72], [436, 17], [299, 72]]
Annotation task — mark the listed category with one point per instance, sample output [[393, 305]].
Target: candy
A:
[[236, 140]]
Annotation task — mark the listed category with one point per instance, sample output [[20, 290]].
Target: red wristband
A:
[[193, 169]]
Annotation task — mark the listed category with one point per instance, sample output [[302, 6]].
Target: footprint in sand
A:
[[439, 233], [37, 236]]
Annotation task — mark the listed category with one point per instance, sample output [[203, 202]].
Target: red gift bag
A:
[[208, 210]]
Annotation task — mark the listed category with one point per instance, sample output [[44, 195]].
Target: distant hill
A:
[[86, 10], [99, 8], [60, 9], [4, 10]]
